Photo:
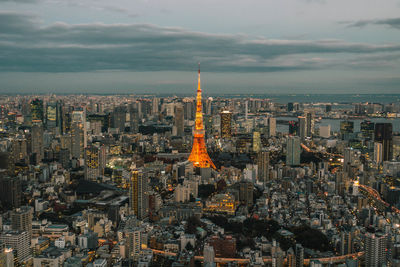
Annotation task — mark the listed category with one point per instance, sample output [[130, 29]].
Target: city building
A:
[[138, 194], [384, 135], [293, 151], [226, 124]]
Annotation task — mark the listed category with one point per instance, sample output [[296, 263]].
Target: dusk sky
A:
[[257, 46]]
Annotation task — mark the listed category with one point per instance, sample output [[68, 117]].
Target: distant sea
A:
[[322, 98]]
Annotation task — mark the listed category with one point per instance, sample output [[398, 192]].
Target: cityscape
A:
[[182, 133]]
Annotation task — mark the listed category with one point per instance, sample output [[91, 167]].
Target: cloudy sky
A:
[[258, 46]]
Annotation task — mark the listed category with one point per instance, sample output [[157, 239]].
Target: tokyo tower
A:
[[199, 156]]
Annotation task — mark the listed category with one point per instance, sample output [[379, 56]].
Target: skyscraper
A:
[[293, 151], [309, 124], [263, 166], [384, 135], [293, 127], [37, 110], [10, 192], [94, 162], [179, 119], [271, 126], [299, 252], [346, 127], [226, 124], [21, 219], [367, 129], [78, 140], [375, 249], [138, 194], [302, 132], [19, 241], [256, 142], [199, 156], [37, 148]]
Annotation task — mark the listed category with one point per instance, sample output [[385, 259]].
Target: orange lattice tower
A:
[[199, 156]]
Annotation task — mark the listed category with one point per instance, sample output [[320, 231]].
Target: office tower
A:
[[21, 219], [293, 151], [378, 152], [396, 146], [226, 124], [348, 159], [138, 194], [328, 108], [51, 115], [325, 131], [155, 105], [65, 158], [290, 107], [37, 147], [346, 242], [189, 109], [209, 256], [246, 110], [10, 192], [37, 110], [256, 142], [271, 126], [78, 140], [302, 132], [19, 242], [199, 156], [293, 127], [119, 118], [95, 159], [367, 129], [179, 120], [375, 249], [133, 241], [384, 135], [20, 150], [246, 193], [299, 252], [309, 124], [346, 127], [263, 166]]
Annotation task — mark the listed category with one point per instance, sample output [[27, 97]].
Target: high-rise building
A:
[[179, 120], [78, 140], [256, 142], [309, 124], [19, 241], [95, 159], [346, 242], [271, 126], [367, 129], [37, 148], [226, 124], [325, 131], [199, 156], [10, 192], [263, 166], [396, 146], [133, 241], [302, 132], [293, 151], [20, 150], [346, 127], [246, 193], [138, 194], [375, 249], [209, 256], [37, 110], [21, 219], [293, 127], [378, 152], [299, 252], [384, 135], [290, 107], [51, 115], [119, 118]]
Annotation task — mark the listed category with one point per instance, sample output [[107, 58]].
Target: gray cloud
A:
[[391, 22], [28, 46]]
